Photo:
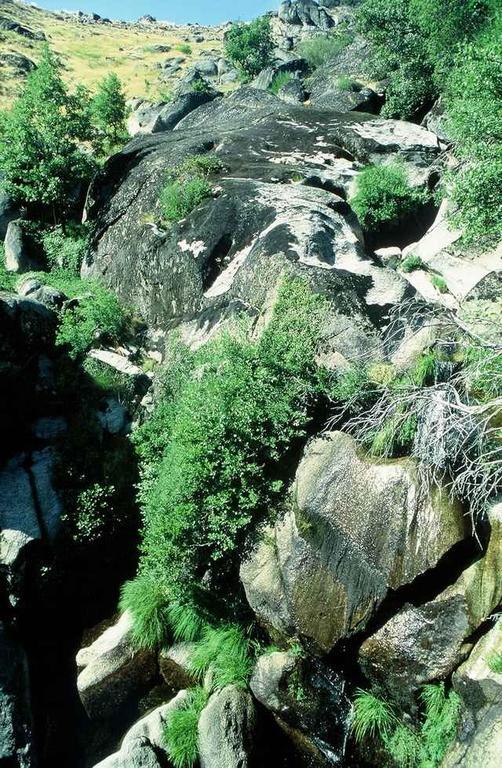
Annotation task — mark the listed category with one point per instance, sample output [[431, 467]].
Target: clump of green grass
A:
[[412, 263], [186, 621], [495, 662], [224, 652], [184, 48], [421, 747], [384, 196], [7, 279], [181, 730], [319, 50], [346, 83], [440, 283], [280, 79], [178, 198], [147, 601], [187, 186]]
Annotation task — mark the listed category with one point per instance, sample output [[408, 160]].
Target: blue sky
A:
[[203, 11]]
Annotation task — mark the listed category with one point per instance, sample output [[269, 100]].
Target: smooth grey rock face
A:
[[226, 730], [174, 666], [17, 257], [357, 529], [112, 670], [266, 216], [269, 680], [9, 211], [305, 13], [157, 118]]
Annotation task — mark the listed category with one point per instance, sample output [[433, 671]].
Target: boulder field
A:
[[366, 577]]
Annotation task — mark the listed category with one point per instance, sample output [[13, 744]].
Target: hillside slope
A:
[[90, 47]]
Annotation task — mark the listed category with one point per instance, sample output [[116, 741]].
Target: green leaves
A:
[[109, 111], [41, 139], [249, 46], [384, 196]]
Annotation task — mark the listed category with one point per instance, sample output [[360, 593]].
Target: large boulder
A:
[[427, 642], [307, 701], [9, 211], [113, 669], [155, 118], [479, 741], [357, 529], [306, 13], [277, 206], [17, 249], [143, 745], [226, 730], [30, 512]]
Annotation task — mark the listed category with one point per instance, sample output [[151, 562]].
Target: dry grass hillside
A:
[[90, 50]]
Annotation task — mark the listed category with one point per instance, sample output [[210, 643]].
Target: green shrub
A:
[[92, 510], [250, 46], [384, 196], [184, 48], [181, 731], [319, 50], [186, 621], [200, 85], [423, 747], [224, 652], [414, 44], [109, 113], [412, 262], [97, 316], [65, 249], [146, 600], [216, 468], [346, 83], [179, 198], [280, 79]]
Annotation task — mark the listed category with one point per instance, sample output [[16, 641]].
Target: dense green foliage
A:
[[384, 196], [7, 279], [224, 652], [109, 112], [249, 46], [181, 732], [415, 42], [41, 137], [450, 48], [411, 263], [375, 719], [319, 50], [145, 598], [187, 186], [212, 454], [65, 249]]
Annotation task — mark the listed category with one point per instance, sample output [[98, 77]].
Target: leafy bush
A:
[[319, 50], [109, 112], [181, 731], [280, 79], [41, 137], [65, 249], [384, 196], [96, 317], [414, 43], [412, 262], [200, 85], [425, 747], [145, 598], [216, 467], [250, 46], [92, 509]]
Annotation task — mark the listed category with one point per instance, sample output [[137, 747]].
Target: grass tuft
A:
[[181, 731], [147, 602]]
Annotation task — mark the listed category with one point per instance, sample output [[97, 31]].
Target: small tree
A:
[[41, 153], [109, 110], [250, 46]]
